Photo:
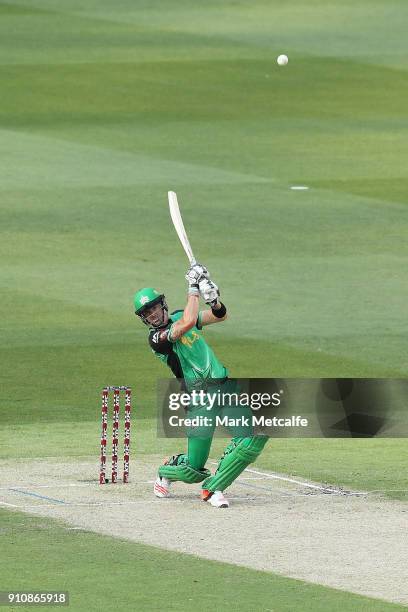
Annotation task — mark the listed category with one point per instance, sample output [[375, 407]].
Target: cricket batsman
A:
[[178, 341]]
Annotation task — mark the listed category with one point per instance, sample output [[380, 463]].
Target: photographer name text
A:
[[225, 421]]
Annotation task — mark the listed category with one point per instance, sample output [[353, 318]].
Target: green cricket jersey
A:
[[189, 357]]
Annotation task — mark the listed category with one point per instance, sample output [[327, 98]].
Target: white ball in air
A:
[[282, 60]]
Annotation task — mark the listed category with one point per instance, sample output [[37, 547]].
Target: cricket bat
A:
[[179, 226]]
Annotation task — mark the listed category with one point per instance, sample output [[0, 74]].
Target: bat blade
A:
[[179, 226]]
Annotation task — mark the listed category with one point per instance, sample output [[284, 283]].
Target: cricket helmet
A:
[[145, 299]]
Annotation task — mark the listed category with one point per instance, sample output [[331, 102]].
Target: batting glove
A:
[[197, 272], [209, 291]]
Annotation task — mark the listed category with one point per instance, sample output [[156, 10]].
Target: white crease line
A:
[[75, 528], [299, 482], [305, 484], [11, 505], [251, 478]]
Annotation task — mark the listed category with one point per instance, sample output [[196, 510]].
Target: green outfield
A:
[[104, 108]]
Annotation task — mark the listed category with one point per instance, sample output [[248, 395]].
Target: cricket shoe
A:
[[215, 498], [162, 487]]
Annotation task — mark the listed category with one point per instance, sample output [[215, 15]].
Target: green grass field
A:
[[104, 108]]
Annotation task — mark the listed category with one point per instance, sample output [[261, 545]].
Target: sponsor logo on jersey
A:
[[188, 340]]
